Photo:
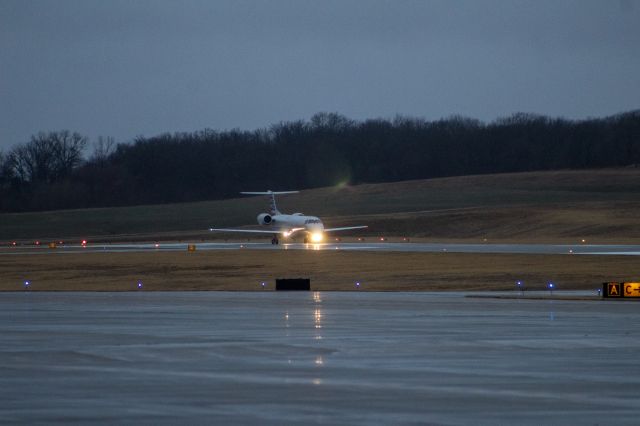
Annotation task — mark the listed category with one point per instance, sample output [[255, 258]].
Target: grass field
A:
[[246, 269], [560, 206]]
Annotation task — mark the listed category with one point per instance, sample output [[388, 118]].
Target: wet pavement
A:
[[316, 357]]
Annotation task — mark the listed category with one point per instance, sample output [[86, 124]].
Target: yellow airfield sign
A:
[[631, 289], [621, 290]]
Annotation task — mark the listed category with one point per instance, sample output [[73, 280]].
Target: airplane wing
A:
[[344, 228], [251, 231], [257, 231], [268, 192]]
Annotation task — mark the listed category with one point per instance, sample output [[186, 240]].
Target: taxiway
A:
[[316, 358], [592, 249]]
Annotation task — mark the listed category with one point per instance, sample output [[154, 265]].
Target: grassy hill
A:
[[558, 206]]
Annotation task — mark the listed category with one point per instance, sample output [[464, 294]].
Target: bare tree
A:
[[67, 148], [5, 170], [47, 157], [102, 149]]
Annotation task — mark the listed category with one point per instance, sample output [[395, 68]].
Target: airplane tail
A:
[[273, 209]]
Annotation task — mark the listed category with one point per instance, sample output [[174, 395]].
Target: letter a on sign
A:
[[614, 290]]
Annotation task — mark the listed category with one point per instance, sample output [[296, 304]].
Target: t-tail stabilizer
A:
[[273, 209]]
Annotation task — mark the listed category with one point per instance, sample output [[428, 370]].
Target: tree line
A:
[[51, 170]]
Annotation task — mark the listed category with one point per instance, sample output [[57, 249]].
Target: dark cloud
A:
[[122, 68]]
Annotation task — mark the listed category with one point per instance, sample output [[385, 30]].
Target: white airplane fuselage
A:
[[290, 223]]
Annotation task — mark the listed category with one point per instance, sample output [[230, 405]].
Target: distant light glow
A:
[[342, 184], [84, 242], [139, 284]]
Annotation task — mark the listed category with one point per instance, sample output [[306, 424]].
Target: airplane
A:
[[278, 223]]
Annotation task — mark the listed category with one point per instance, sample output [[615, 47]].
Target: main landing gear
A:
[[306, 240], [274, 240]]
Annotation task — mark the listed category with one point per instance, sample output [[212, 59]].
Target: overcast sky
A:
[[128, 68]]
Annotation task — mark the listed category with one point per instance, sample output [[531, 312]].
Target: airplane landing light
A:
[[316, 237]]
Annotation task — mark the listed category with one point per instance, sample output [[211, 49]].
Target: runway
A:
[[316, 358], [577, 249]]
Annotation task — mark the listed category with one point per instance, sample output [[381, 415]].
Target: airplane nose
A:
[[316, 227]]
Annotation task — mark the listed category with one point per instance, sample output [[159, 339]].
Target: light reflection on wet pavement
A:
[[316, 357]]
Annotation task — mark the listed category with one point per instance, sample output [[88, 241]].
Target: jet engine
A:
[[264, 219]]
